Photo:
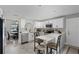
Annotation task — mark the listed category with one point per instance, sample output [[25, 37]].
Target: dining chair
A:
[[54, 46], [40, 49], [8, 35], [36, 41]]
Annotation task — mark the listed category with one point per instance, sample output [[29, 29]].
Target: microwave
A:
[[48, 25]]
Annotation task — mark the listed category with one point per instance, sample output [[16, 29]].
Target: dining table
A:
[[49, 37]]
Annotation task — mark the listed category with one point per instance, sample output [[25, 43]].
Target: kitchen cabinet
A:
[[27, 37], [39, 24], [24, 37], [31, 37], [56, 23]]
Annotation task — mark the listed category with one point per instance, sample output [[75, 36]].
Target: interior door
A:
[[1, 36], [72, 31]]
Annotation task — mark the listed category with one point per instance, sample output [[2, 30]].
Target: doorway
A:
[[11, 30]]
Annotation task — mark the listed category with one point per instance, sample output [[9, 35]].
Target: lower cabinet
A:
[[27, 37], [24, 37], [31, 37]]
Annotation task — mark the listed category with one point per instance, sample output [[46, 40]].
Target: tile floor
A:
[[13, 47]]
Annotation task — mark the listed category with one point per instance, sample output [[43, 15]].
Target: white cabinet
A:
[[31, 37], [24, 37], [56, 23], [27, 37], [39, 24]]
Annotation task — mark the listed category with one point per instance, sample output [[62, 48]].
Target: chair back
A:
[[36, 34], [37, 40], [58, 41]]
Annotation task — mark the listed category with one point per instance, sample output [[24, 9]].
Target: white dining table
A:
[[49, 37]]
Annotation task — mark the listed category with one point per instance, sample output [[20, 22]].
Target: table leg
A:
[[45, 47], [47, 50]]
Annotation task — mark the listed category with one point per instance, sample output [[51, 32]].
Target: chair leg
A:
[[34, 48], [38, 51], [47, 49], [78, 51], [50, 50]]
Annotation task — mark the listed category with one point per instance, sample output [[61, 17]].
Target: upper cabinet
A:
[[56, 23], [39, 24]]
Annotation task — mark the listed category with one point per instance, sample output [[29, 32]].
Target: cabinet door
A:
[[58, 23], [24, 37], [31, 36], [72, 31]]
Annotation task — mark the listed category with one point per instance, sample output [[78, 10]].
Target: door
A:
[[1, 36], [72, 32]]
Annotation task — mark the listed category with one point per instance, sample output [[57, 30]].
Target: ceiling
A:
[[38, 12]]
